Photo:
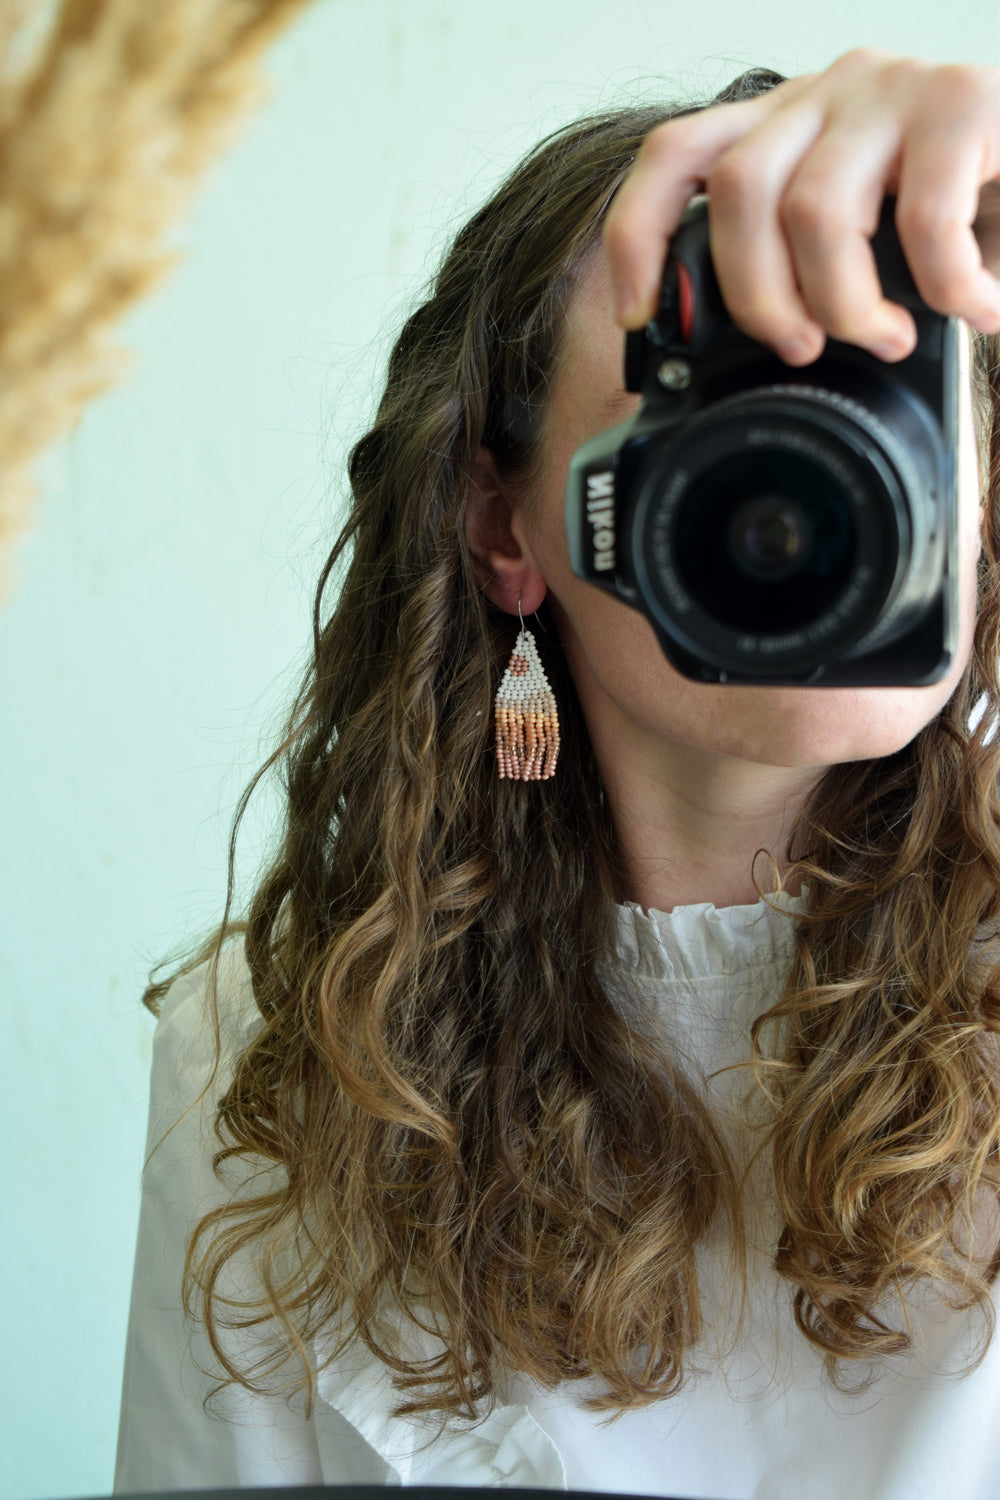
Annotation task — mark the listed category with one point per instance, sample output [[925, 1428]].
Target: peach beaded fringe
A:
[[527, 724]]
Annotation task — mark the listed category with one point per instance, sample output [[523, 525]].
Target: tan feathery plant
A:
[[110, 111]]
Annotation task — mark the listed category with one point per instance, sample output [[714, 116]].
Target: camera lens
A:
[[769, 537], [764, 541], [780, 528]]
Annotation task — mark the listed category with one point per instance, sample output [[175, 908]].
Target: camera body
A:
[[786, 526]]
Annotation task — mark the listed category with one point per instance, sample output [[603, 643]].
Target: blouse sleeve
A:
[[167, 1438]]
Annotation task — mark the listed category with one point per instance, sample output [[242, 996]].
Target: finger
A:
[[669, 171], [937, 204], [755, 269], [830, 211]]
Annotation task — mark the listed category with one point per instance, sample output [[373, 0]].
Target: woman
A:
[[534, 1112]]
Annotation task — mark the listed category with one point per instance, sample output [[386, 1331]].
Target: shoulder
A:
[[203, 1028], [206, 1019]]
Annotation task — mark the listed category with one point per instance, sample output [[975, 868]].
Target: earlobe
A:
[[505, 571]]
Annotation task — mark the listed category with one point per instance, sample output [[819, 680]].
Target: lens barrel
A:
[[783, 526]]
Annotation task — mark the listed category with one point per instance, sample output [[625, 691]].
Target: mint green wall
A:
[[164, 593]]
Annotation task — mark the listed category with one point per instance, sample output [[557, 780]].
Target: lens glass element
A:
[[765, 541], [769, 536]]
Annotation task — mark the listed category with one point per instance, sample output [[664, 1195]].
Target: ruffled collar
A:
[[704, 942]]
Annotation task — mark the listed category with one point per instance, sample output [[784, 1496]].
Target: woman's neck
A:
[[691, 823], [690, 829]]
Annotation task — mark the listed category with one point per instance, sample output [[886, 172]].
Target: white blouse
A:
[[756, 1420]]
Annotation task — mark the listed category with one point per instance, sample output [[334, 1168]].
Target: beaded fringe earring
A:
[[527, 724]]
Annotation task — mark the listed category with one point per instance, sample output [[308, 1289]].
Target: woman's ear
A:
[[505, 570]]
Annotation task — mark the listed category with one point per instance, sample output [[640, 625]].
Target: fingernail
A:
[[989, 319], [990, 316], [891, 349], [626, 302], [794, 351]]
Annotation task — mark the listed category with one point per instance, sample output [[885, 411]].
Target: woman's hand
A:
[[795, 181]]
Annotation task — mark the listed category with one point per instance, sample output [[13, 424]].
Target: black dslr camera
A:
[[778, 525]]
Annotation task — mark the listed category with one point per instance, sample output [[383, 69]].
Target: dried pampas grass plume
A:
[[110, 110]]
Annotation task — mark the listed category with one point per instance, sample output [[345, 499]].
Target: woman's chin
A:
[[829, 726]]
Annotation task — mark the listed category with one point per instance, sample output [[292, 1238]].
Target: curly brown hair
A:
[[473, 1121]]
